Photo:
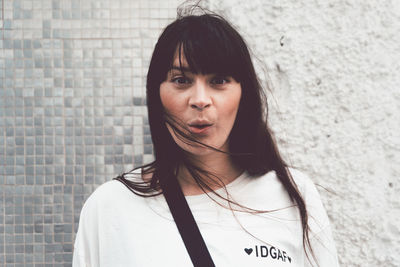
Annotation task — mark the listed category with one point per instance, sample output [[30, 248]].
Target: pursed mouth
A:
[[199, 128]]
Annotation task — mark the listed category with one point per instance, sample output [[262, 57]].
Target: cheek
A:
[[166, 101], [169, 100], [170, 106], [234, 104], [231, 105]]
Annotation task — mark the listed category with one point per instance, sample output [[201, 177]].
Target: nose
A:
[[200, 97]]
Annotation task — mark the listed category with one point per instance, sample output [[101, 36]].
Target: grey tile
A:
[[37, 44], [17, 13], [148, 149], [147, 139], [84, 134], [27, 14], [17, 4], [27, 54]]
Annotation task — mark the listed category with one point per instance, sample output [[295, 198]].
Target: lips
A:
[[200, 127]]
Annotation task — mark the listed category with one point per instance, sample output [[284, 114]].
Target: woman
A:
[[207, 115]]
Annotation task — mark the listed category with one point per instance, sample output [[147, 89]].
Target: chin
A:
[[199, 150]]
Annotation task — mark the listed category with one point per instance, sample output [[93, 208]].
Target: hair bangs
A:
[[208, 50]]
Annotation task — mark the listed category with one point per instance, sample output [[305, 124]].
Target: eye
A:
[[181, 80], [219, 80]]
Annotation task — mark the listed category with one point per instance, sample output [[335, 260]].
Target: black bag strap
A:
[[185, 223]]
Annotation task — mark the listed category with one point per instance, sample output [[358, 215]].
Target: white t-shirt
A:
[[119, 228]]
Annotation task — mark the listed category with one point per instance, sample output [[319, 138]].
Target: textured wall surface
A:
[[335, 109], [73, 114]]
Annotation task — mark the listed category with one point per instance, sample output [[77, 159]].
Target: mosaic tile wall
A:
[[72, 113]]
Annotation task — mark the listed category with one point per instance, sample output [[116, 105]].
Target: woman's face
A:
[[205, 104]]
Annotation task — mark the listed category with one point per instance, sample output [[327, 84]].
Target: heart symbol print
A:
[[248, 250]]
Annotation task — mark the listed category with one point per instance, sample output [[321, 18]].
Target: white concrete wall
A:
[[335, 108]]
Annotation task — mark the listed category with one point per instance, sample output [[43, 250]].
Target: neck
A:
[[218, 164]]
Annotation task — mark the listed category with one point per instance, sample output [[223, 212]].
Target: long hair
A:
[[211, 45]]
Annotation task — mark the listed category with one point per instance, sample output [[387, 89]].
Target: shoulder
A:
[[109, 197], [318, 218], [99, 215], [104, 193], [305, 186], [302, 180], [320, 232]]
